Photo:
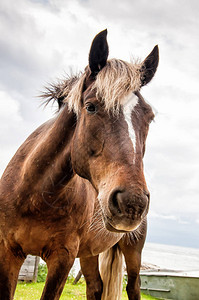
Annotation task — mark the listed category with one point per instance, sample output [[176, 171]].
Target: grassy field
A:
[[32, 291]]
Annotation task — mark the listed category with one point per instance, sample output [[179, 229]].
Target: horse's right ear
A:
[[98, 53]]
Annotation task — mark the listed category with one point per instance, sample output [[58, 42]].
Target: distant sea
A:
[[171, 257], [165, 257]]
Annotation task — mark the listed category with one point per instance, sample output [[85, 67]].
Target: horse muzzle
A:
[[126, 210]]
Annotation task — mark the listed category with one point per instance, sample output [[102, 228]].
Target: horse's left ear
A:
[[98, 53], [149, 66]]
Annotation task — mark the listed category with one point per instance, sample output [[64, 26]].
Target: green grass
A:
[[33, 291]]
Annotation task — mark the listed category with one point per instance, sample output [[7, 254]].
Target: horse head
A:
[[109, 140]]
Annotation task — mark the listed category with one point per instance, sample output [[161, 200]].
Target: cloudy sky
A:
[[41, 41]]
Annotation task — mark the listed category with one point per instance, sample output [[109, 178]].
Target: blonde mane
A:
[[113, 84]]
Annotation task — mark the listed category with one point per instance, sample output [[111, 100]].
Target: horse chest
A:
[[97, 242]]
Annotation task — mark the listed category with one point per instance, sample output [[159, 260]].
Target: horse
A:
[[76, 186]]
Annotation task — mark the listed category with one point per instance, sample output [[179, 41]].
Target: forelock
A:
[[113, 85], [115, 82]]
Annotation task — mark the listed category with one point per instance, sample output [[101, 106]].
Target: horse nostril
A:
[[113, 202], [121, 202]]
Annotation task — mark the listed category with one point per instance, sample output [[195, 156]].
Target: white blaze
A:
[[129, 106]]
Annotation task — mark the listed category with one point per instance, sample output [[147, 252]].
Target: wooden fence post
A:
[[37, 259]]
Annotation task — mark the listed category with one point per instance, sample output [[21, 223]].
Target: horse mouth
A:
[[121, 227], [109, 227]]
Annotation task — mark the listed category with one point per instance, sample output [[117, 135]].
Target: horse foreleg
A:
[[59, 264], [132, 254], [10, 264], [90, 270]]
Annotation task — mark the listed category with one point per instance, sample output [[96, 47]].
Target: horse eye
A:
[[91, 108]]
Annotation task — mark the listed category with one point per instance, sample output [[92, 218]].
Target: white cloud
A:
[[10, 108], [155, 215]]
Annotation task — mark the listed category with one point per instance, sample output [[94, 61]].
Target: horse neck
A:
[[49, 164]]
